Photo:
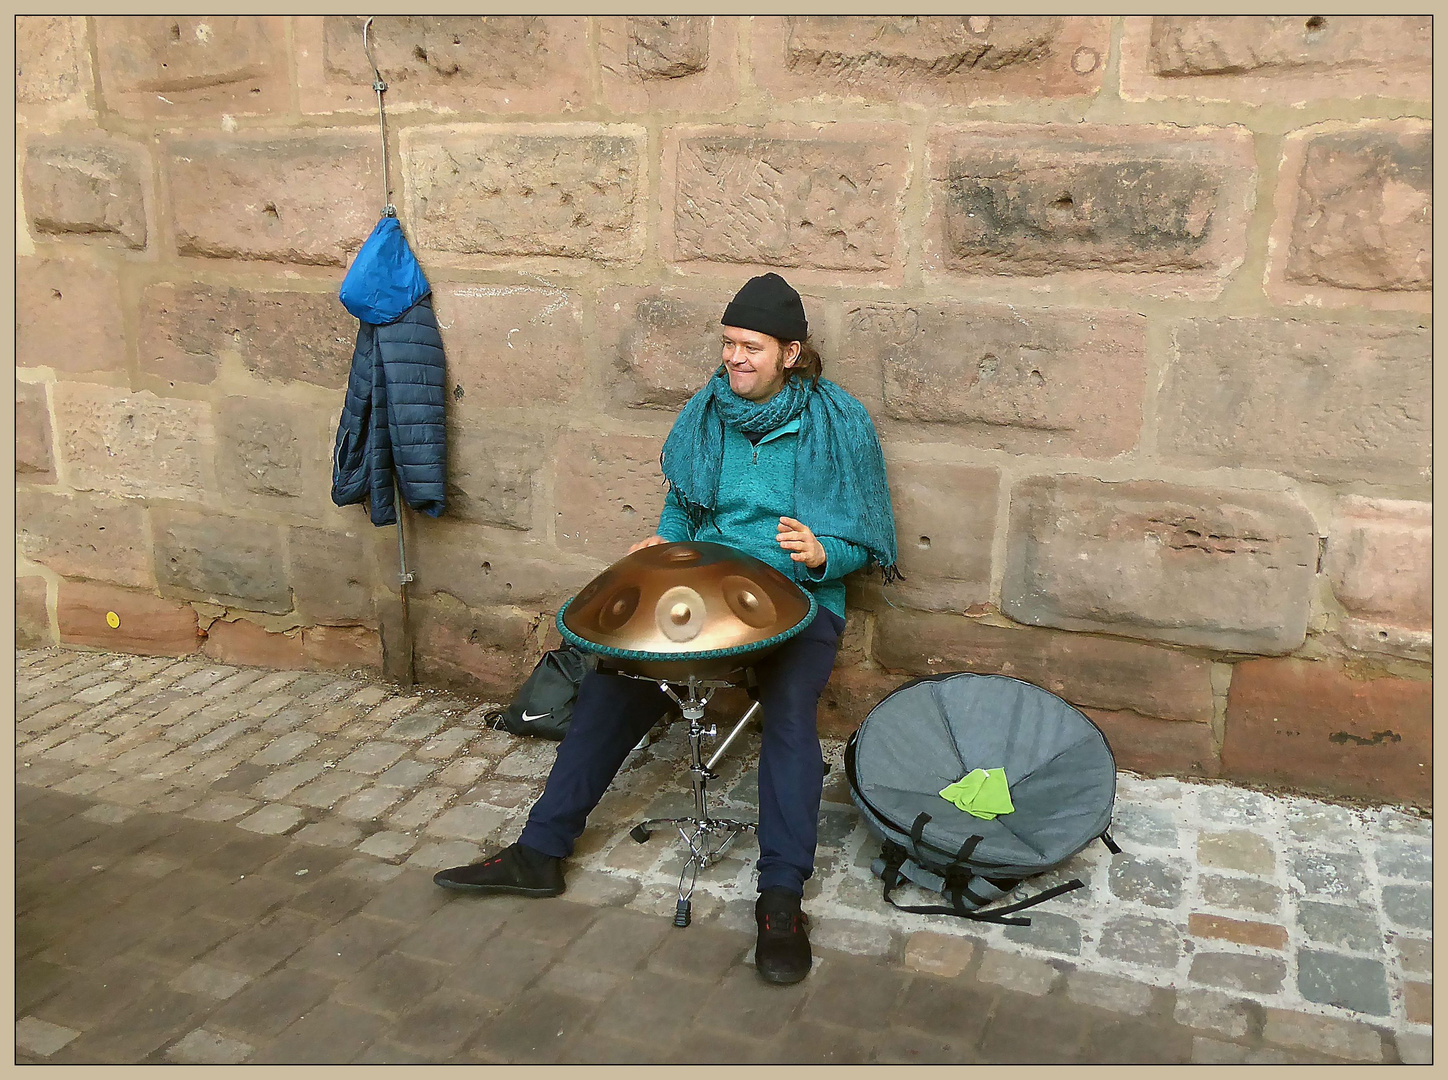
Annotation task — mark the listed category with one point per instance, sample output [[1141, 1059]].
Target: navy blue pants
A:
[[613, 712]]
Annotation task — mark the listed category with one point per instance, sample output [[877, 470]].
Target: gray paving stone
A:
[[464, 771], [1023, 974], [1414, 1049], [1151, 826], [1137, 939], [221, 808], [419, 724], [1329, 1035], [371, 758], [286, 780], [273, 820], [406, 774], [447, 745], [1050, 932], [209, 981], [329, 834], [288, 746], [1240, 893], [474, 823], [328, 789], [368, 804], [328, 1034], [1409, 905], [442, 855], [1415, 956], [387, 844], [849, 936], [1236, 849], [508, 794], [1344, 927], [1408, 860], [1239, 971], [1209, 1010], [421, 808], [1349, 982], [202, 1047], [40, 1037], [1109, 992], [1154, 882], [1337, 876]]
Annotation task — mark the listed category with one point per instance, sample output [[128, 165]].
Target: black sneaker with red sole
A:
[[512, 870]]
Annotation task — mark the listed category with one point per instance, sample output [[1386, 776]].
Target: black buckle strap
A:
[[1111, 844]]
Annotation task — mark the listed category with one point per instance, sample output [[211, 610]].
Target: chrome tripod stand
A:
[[708, 837]]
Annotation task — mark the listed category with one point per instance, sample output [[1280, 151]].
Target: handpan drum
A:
[[685, 610]]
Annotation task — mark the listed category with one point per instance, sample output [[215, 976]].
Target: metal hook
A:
[[379, 85]]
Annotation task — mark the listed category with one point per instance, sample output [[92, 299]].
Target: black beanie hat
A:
[[768, 305]]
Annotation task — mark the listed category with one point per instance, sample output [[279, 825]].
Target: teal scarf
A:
[[839, 473]]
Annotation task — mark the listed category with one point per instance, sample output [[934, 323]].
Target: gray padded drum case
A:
[[931, 732]]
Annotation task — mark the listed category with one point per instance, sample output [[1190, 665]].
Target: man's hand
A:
[[650, 542], [796, 538]]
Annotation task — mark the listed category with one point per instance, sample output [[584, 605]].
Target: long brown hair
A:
[[809, 365]]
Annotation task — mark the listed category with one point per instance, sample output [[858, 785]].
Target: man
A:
[[782, 465]]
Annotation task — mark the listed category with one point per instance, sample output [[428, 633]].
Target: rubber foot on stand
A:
[[639, 833], [681, 913]]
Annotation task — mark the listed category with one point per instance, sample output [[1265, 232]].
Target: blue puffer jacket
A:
[[393, 415]]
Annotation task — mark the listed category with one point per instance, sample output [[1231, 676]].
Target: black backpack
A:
[[544, 704]]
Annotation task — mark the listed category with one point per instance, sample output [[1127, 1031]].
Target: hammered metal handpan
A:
[[682, 610]]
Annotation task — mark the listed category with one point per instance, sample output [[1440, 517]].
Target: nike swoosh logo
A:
[[530, 717]]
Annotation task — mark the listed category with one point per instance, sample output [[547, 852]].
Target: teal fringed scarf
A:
[[839, 475]]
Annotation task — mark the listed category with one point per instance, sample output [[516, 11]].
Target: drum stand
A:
[[708, 838]]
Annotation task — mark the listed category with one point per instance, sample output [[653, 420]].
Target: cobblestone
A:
[[1349, 982], [1349, 888], [1340, 1038]]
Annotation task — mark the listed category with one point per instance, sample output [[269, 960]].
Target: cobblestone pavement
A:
[[221, 864]]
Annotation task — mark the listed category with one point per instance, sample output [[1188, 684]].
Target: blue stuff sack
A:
[[384, 279]]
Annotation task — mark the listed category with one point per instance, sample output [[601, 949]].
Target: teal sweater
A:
[[756, 489]]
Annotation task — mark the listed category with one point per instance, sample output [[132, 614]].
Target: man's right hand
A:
[[650, 542]]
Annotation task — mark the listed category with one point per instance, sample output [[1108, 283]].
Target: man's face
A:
[[757, 362]]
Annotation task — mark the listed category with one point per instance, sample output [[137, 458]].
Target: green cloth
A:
[[984, 793]]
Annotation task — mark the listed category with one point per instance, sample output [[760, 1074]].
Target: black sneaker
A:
[[515, 869], [781, 953]]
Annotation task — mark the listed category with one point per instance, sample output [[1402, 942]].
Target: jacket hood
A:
[[384, 279]]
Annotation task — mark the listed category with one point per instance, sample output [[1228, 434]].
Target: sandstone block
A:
[[481, 569], [164, 67], [261, 446], [147, 623], [670, 63], [786, 195], [1310, 726], [1376, 639], [491, 471], [189, 330], [608, 491], [1156, 747], [87, 188], [1034, 200], [32, 617], [1226, 570], [336, 648], [1379, 559], [132, 444], [1387, 174], [34, 461], [1274, 60], [1045, 381], [488, 651], [1318, 400], [67, 316], [243, 642], [475, 190], [511, 345], [1091, 671], [85, 536], [945, 518], [50, 58], [221, 559], [942, 59], [445, 63], [308, 199], [331, 574], [849, 696], [665, 344]]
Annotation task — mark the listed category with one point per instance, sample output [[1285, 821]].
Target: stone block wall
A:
[[1139, 305]]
